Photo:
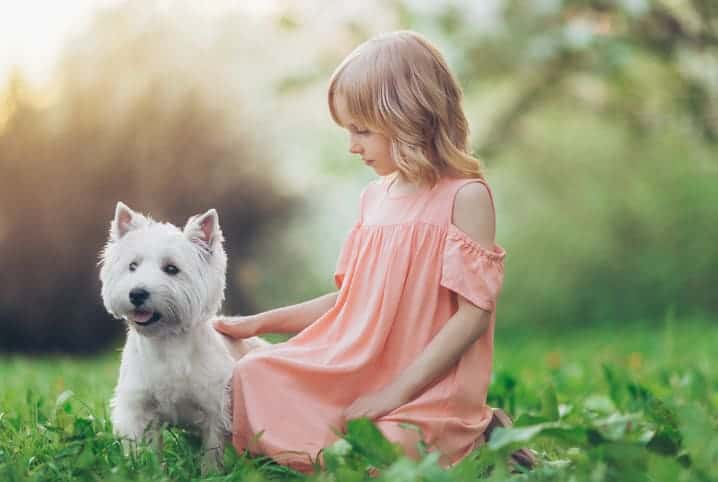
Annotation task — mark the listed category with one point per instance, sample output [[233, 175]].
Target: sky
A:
[[33, 32]]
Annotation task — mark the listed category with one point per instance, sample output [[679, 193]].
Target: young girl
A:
[[408, 336]]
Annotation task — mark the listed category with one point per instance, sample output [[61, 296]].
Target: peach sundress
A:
[[397, 274]]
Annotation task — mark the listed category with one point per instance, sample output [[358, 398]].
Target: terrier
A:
[[168, 284]]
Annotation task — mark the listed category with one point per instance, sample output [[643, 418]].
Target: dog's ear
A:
[[125, 221], [204, 231]]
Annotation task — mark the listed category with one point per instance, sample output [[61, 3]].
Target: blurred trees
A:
[[598, 121], [133, 121], [637, 61]]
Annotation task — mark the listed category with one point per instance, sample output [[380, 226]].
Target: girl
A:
[[408, 336]]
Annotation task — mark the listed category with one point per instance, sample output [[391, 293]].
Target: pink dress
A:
[[397, 274]]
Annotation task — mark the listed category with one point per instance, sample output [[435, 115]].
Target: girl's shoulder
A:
[[449, 188]]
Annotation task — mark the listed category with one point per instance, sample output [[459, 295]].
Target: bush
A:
[[131, 122]]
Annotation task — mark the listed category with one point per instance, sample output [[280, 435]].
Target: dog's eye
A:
[[133, 266], [171, 269]]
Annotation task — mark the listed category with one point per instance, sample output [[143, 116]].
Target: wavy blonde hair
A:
[[400, 85]]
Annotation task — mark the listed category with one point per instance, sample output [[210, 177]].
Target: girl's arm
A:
[[288, 319], [444, 351]]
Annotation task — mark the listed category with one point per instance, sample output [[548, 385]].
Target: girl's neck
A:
[[400, 184]]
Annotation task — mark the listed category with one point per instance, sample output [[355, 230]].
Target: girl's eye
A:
[[171, 269], [133, 266], [356, 130]]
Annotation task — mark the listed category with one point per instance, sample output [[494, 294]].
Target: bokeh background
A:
[[596, 121]]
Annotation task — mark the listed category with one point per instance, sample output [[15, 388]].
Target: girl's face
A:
[[373, 147]]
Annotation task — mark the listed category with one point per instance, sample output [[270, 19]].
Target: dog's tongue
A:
[[141, 316]]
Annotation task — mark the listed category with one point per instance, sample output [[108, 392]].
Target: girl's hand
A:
[[374, 405], [236, 326]]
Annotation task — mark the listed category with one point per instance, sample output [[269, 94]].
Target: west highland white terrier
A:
[[168, 284]]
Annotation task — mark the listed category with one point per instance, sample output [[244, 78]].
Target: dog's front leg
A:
[[130, 421], [213, 447], [153, 435]]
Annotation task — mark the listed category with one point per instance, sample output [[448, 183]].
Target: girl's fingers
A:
[[229, 329]]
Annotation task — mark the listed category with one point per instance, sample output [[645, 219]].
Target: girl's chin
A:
[[382, 171]]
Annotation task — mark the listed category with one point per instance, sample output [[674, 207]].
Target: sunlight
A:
[[33, 32]]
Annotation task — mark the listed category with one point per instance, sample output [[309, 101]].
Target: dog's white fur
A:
[[176, 369]]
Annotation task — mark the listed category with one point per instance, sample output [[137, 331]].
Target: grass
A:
[[617, 401]]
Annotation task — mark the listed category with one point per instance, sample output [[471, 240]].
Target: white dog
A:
[[168, 283]]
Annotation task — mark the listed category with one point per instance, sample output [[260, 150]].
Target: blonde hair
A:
[[400, 85]]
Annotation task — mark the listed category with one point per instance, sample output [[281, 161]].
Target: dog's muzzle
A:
[[144, 318]]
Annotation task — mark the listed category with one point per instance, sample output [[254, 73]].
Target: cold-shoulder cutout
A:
[[473, 213]]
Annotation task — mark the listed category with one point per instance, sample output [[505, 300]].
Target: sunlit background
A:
[[597, 123]]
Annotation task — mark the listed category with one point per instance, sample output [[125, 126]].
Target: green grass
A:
[[612, 402]]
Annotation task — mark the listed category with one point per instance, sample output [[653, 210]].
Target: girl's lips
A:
[[368, 161]]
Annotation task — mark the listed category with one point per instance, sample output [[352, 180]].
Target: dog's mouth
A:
[[144, 318]]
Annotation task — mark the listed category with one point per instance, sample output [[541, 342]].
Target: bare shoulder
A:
[[474, 213]]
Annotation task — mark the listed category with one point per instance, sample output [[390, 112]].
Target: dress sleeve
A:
[[472, 271]]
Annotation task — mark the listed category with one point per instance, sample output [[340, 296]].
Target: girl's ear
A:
[[125, 220], [204, 230]]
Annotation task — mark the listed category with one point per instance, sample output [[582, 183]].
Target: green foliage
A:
[[632, 411]]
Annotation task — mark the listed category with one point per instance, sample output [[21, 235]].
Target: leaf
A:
[[665, 442], [368, 441], [699, 436], [335, 455], [616, 384], [564, 409], [549, 404], [420, 445], [599, 403], [614, 427], [528, 419], [502, 437], [86, 458], [63, 397]]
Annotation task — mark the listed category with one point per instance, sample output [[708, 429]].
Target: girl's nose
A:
[[355, 148]]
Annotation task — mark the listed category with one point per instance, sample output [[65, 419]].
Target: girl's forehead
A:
[[341, 109]]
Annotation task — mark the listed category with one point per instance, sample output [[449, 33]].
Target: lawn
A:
[[617, 402]]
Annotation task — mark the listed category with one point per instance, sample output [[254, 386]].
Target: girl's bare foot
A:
[[524, 457]]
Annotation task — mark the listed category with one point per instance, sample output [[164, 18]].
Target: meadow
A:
[[611, 401]]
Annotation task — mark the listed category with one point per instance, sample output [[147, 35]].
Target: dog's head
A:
[[159, 278]]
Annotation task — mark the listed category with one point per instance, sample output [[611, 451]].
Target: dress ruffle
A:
[[471, 270]]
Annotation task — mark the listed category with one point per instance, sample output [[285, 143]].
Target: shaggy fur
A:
[[167, 284]]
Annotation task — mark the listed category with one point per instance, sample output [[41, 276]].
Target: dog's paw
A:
[[211, 462], [129, 447]]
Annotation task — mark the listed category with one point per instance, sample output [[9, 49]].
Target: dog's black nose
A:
[[138, 296]]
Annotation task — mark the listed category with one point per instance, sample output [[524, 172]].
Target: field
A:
[[610, 402]]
